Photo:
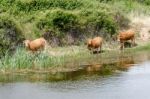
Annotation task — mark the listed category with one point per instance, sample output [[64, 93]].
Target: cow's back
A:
[[37, 43], [127, 35], [96, 42]]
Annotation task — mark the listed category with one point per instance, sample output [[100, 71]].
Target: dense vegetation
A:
[[10, 35], [63, 22]]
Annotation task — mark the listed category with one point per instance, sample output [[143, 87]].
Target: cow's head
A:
[[89, 41], [118, 38], [26, 43]]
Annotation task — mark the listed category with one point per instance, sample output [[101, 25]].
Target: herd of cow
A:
[[94, 44]]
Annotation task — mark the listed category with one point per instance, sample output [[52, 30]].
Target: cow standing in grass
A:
[[125, 36], [36, 44], [95, 44]]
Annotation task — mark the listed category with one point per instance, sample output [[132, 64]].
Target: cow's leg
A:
[[132, 42], [95, 50], [122, 46], [98, 49], [92, 50]]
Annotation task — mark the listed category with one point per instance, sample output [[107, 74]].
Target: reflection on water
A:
[[126, 78]]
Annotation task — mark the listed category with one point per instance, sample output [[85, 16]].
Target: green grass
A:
[[61, 58], [46, 12], [23, 59], [71, 21], [61, 22]]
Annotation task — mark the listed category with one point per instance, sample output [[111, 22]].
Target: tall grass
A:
[[23, 59], [60, 58]]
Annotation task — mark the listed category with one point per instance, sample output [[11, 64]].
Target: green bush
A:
[[10, 35], [76, 18], [33, 5], [147, 2], [106, 0], [80, 24], [101, 21], [58, 19], [121, 20]]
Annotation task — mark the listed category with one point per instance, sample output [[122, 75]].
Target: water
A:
[[128, 78]]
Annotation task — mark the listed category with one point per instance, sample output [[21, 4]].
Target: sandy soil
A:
[[141, 24]]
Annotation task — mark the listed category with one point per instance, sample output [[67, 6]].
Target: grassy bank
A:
[[65, 22], [22, 59], [62, 23], [62, 59]]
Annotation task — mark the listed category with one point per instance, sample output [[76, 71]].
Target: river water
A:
[[128, 78]]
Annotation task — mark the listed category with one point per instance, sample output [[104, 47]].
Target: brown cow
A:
[[36, 44], [125, 36], [95, 44]]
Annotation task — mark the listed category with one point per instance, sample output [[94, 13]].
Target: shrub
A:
[[101, 22], [121, 20], [105, 0], [61, 23], [33, 5], [10, 35], [147, 2], [58, 19]]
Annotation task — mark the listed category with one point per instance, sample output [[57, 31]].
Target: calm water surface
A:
[[129, 78]]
